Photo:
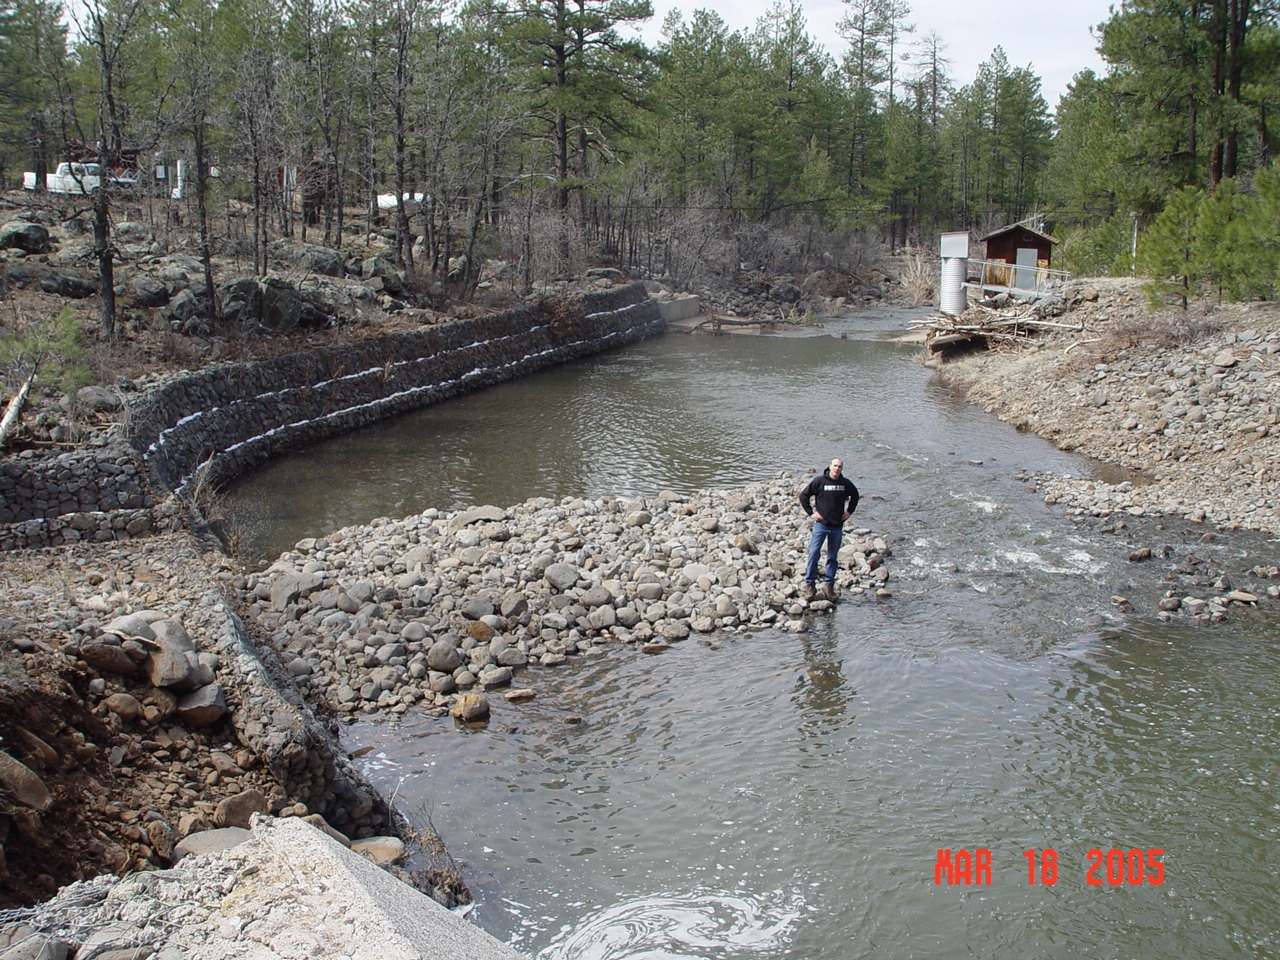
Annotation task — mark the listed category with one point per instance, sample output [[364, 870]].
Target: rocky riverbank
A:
[[135, 716], [1185, 403], [1187, 400]]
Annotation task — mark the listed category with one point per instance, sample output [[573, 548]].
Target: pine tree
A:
[[577, 74], [1260, 272], [1167, 251], [32, 54], [1190, 77]]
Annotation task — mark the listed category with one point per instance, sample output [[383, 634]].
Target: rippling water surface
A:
[[769, 795]]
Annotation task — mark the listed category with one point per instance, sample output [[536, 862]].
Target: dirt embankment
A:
[[125, 777]]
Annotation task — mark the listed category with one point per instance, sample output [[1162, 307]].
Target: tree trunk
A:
[[562, 187], [102, 251], [1237, 26], [202, 215], [39, 150]]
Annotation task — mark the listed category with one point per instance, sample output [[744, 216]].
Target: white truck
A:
[[75, 178]]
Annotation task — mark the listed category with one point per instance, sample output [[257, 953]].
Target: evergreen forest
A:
[[547, 133]]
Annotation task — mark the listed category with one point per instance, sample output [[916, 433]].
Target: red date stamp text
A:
[[1115, 867]]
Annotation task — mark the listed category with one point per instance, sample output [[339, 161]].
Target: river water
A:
[[775, 795]]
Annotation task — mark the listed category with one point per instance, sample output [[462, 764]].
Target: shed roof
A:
[[1023, 224]]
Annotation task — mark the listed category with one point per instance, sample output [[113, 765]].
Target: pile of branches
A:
[[983, 326]]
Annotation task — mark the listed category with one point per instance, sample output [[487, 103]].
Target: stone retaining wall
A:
[[219, 422], [94, 493]]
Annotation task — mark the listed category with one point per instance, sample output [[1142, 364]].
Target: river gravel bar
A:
[[437, 609]]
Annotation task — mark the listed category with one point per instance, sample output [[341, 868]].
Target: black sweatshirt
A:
[[830, 496]]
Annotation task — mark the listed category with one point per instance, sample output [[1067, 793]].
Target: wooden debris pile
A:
[[981, 326]]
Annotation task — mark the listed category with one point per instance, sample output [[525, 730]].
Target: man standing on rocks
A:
[[824, 499]]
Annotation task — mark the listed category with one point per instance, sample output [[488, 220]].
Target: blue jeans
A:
[[833, 536]]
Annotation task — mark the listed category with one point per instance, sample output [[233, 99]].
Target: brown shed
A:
[[1023, 247], [1004, 244]]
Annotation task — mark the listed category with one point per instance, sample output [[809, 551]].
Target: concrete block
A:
[[681, 308]]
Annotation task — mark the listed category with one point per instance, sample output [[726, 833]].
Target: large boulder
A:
[[273, 302], [785, 293], [147, 291], [202, 708], [184, 307], [474, 608], [384, 270], [238, 811], [173, 661], [282, 305], [131, 231], [292, 587], [69, 286], [323, 294], [98, 399], [311, 257], [106, 655], [383, 851], [443, 656], [125, 706], [241, 301], [485, 513], [210, 841], [20, 782], [131, 626], [471, 708], [562, 576], [21, 235]]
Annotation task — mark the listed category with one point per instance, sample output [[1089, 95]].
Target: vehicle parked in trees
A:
[[76, 178]]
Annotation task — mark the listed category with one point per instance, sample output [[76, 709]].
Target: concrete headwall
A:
[[216, 423], [287, 890], [681, 308]]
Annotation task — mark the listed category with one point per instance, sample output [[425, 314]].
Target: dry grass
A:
[[918, 275], [441, 876], [208, 502], [1165, 330], [1145, 332], [565, 317]]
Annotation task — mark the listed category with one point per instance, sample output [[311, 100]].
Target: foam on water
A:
[[697, 925]]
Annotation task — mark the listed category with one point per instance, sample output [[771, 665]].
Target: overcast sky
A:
[[1053, 38]]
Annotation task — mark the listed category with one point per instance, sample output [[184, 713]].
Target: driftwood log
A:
[[716, 321], [14, 410]]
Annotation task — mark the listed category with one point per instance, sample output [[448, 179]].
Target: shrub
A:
[[52, 349]]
